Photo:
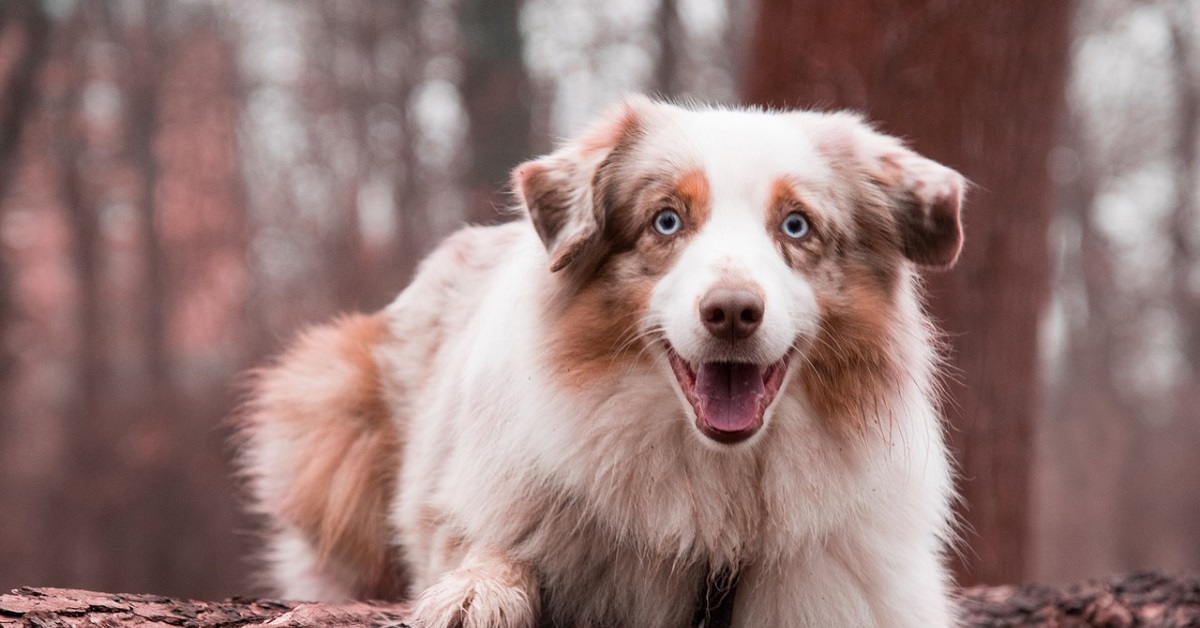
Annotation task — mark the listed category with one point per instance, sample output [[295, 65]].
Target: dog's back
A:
[[323, 428]]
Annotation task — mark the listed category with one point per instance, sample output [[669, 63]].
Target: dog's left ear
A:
[[559, 205], [927, 199], [557, 190]]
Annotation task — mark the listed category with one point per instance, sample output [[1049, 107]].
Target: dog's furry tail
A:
[[319, 452]]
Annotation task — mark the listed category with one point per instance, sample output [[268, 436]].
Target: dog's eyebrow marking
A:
[[692, 189], [783, 200]]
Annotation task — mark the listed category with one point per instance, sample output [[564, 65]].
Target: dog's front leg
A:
[[831, 588], [488, 590], [802, 592]]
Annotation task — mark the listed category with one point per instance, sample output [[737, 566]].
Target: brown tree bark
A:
[[76, 179], [27, 22], [666, 31], [48, 607], [498, 100], [1184, 253], [1146, 599], [144, 47], [978, 86]]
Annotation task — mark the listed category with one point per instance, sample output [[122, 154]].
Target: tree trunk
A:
[[1185, 296], [27, 21], [498, 100], [146, 49], [17, 95], [666, 31], [979, 87]]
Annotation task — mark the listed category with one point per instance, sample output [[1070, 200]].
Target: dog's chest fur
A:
[[606, 488]]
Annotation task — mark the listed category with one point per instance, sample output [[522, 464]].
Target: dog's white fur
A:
[[507, 440]]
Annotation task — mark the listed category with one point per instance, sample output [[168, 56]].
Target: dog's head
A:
[[729, 247]]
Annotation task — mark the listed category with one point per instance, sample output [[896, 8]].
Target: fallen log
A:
[[1141, 599], [53, 608]]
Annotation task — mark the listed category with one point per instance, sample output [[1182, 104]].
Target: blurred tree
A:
[[978, 86], [144, 46], [24, 31], [496, 92], [344, 84], [1183, 221], [667, 34], [26, 22], [1113, 488], [82, 154], [1161, 445], [127, 487], [1086, 406]]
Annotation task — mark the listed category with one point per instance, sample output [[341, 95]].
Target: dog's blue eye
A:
[[667, 222], [795, 226]]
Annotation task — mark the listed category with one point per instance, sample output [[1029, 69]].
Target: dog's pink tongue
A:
[[729, 395]]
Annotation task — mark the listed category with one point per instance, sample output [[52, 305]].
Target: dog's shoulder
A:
[[450, 290], [323, 426], [453, 277]]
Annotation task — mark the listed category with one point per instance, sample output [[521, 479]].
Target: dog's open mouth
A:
[[729, 398]]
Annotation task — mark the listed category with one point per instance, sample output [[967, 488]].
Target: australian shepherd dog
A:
[[692, 384]]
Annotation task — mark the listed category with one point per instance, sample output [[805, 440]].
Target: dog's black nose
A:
[[731, 313]]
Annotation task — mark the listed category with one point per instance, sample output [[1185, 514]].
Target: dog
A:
[[694, 379]]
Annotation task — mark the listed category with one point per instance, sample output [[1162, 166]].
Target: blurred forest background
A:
[[183, 184]]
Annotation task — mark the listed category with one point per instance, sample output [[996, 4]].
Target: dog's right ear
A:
[[925, 196], [557, 190]]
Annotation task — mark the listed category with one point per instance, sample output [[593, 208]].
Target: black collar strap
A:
[[714, 606]]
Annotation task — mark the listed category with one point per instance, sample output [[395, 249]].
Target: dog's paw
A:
[[476, 598]]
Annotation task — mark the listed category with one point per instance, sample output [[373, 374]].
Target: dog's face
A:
[[730, 248]]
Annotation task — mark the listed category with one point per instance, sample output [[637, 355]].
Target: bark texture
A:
[[46, 607], [1142, 599]]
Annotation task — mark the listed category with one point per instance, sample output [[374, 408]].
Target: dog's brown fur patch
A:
[[849, 370], [692, 190], [326, 396], [799, 254], [599, 329], [853, 269]]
